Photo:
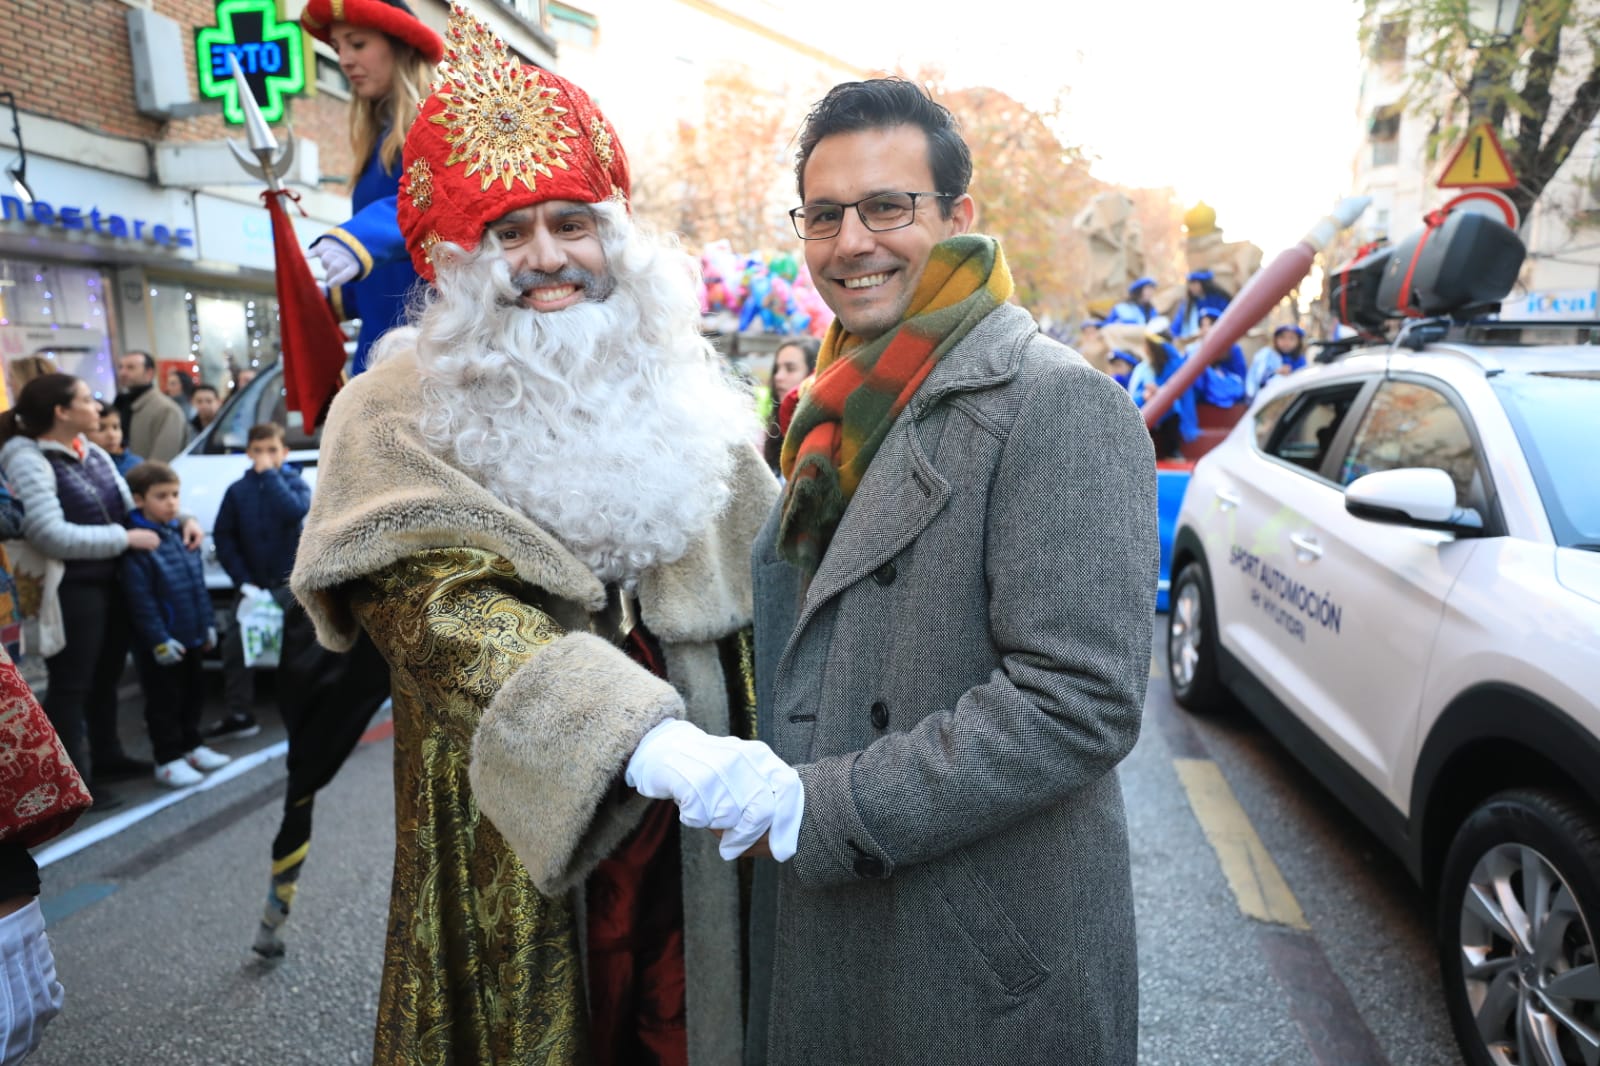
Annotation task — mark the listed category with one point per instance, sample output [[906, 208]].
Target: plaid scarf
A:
[[860, 388]]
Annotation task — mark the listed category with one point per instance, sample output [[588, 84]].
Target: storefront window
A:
[[55, 316], [212, 333]]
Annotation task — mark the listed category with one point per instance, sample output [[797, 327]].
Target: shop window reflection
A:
[[55, 317]]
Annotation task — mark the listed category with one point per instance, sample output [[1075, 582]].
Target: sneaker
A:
[[203, 758], [236, 726], [178, 774]]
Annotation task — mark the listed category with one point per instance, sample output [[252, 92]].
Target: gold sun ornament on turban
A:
[[496, 135], [499, 118]]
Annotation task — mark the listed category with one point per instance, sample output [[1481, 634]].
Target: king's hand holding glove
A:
[[723, 783]]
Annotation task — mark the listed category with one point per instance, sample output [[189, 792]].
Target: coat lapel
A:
[[899, 497]]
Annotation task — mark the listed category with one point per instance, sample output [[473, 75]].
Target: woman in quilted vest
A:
[[74, 504]]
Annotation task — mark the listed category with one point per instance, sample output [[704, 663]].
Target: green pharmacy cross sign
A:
[[270, 55]]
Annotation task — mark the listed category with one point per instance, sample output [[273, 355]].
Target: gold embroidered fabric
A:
[[481, 968]]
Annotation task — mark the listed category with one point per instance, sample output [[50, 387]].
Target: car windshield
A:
[[1553, 415]]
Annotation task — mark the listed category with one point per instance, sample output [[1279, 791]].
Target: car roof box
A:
[[1466, 263], [1353, 290]]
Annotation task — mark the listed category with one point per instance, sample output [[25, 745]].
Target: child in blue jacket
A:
[[172, 624], [256, 533]]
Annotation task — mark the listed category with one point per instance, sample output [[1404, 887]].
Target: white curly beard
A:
[[611, 424]]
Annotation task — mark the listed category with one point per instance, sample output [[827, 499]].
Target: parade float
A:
[[1252, 306]]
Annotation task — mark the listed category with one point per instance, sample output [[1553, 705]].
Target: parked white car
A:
[[215, 459], [1394, 562]]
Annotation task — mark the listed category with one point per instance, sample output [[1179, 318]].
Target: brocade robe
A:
[[513, 725]]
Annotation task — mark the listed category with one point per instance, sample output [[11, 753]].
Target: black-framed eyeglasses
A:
[[887, 210]]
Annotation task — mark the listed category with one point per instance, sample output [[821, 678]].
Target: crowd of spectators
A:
[[107, 565]]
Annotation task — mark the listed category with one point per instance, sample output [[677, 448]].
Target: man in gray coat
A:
[[154, 426], [953, 602]]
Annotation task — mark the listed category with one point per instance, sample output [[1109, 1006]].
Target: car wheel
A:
[[1519, 896], [1192, 641]]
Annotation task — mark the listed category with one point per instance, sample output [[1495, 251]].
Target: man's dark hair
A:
[[148, 474], [265, 431], [198, 389], [149, 360], [883, 103]]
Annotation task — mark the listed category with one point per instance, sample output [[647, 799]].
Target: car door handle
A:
[[1226, 500], [1306, 546]]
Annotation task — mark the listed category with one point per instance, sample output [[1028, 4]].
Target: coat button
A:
[[885, 574], [880, 715], [869, 866]]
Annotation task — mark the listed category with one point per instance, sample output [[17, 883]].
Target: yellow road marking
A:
[[1257, 884]]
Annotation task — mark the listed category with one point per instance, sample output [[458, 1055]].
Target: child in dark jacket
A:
[[173, 625], [256, 533]]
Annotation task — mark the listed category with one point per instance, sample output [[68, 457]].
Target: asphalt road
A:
[[152, 926]]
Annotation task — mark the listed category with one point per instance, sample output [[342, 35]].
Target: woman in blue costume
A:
[[1204, 294], [1162, 360], [388, 57], [1285, 355], [1223, 382]]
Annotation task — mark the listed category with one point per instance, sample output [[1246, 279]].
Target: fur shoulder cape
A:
[[382, 495]]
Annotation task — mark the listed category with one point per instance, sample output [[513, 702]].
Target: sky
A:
[[1249, 105]]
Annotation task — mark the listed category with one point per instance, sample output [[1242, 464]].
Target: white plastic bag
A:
[[260, 628]]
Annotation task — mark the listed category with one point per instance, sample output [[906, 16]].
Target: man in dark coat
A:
[[952, 617]]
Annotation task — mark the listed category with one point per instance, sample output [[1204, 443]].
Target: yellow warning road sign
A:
[[1479, 161]]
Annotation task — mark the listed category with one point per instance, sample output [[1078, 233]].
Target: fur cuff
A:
[[548, 756]]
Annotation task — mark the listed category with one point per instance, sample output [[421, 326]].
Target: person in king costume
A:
[[539, 502]]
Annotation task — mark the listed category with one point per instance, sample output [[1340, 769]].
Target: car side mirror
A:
[[1417, 496]]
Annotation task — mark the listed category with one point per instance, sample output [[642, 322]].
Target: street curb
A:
[[76, 842]]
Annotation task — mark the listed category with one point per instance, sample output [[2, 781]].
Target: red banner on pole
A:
[[313, 344]]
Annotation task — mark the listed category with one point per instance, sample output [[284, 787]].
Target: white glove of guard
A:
[[169, 652], [339, 264], [738, 786], [249, 591]]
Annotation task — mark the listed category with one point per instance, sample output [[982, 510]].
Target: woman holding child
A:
[[75, 508]]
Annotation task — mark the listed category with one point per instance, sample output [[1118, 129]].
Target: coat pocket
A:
[[986, 925]]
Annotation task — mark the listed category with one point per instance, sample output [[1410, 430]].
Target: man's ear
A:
[[964, 214]]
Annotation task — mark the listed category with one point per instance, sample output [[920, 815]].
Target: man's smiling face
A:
[[555, 254], [868, 277]]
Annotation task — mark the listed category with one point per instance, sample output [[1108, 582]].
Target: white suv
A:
[[1394, 561]]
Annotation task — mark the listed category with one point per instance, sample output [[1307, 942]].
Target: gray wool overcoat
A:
[[956, 689]]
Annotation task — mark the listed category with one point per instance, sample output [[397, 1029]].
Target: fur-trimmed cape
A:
[[556, 736]]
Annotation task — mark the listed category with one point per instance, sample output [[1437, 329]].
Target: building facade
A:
[[136, 229], [1562, 232]]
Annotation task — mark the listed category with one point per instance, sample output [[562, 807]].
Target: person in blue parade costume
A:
[[1120, 365], [1204, 294], [1285, 355], [1162, 360], [388, 56], [1139, 308], [1223, 383]]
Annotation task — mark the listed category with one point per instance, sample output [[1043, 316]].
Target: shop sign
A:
[[1556, 305], [77, 201], [235, 232], [92, 219], [271, 57]]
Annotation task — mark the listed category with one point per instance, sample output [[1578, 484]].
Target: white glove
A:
[[718, 782], [339, 265], [211, 637], [169, 652], [32, 995], [249, 591]]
